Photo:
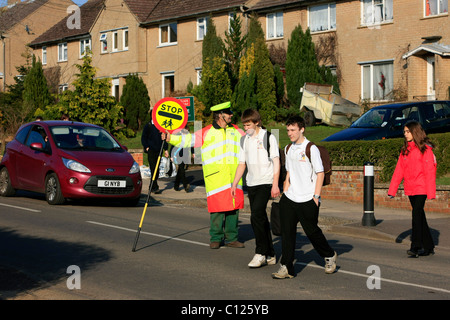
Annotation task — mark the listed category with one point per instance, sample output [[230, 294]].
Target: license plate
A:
[[111, 183]]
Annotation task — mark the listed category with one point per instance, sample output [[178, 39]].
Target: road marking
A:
[[148, 233], [382, 279], [21, 208], [300, 263]]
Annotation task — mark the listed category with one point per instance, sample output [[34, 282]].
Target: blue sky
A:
[[79, 2]]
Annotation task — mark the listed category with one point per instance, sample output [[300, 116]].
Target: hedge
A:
[[385, 153]]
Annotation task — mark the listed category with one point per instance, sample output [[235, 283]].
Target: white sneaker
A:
[[257, 261], [271, 260], [330, 264], [282, 273]]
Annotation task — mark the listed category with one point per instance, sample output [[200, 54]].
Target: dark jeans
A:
[[308, 214], [259, 196], [152, 160], [421, 235]]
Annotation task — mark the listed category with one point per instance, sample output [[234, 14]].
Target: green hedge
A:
[[384, 153]]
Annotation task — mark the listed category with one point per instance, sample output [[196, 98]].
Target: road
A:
[[173, 260]]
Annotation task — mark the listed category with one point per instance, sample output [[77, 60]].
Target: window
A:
[[84, 45], [377, 80], [199, 75], [104, 43], [63, 87], [115, 89], [125, 39], [435, 7], [274, 25], [44, 55], [168, 84], [377, 11], [62, 52], [115, 42], [322, 18], [168, 34], [201, 28]]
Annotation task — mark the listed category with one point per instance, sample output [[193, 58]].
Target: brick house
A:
[[381, 49], [20, 23]]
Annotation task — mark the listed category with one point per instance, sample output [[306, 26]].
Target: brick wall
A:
[[347, 183], [138, 156]]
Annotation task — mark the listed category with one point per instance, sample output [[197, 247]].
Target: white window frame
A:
[[164, 75], [125, 39], [369, 9], [331, 17], [231, 16], [371, 83], [63, 87], [115, 41], [103, 42], [202, 27], [441, 7], [84, 43], [44, 55], [274, 21], [170, 41], [198, 71], [62, 52]]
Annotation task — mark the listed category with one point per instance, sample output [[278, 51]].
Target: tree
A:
[[90, 101], [234, 49], [136, 102], [215, 84], [35, 90], [212, 45]]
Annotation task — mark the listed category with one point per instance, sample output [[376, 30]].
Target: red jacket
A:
[[418, 172]]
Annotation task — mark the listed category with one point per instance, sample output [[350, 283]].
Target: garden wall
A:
[[347, 183]]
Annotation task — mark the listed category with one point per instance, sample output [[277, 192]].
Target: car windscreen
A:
[[83, 138], [374, 118]]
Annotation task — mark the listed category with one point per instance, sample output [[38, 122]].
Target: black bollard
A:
[[368, 216]]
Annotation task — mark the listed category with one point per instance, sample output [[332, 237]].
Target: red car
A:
[[69, 160]]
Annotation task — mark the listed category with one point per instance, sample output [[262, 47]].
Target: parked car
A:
[[69, 160], [387, 121]]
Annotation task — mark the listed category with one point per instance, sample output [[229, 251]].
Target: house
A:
[[380, 49], [20, 23]]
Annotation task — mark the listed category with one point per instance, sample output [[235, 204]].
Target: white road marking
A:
[[149, 233], [17, 207], [301, 263]]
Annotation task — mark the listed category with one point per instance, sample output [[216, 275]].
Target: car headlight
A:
[[134, 168], [75, 165]]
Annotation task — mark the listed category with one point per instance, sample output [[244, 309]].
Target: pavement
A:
[[339, 217]]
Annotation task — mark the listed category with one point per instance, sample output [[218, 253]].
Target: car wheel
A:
[[6, 189], [310, 119], [53, 193]]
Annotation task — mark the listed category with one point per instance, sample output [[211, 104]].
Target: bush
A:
[[385, 153]]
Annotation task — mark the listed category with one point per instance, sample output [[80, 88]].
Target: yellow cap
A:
[[222, 106]]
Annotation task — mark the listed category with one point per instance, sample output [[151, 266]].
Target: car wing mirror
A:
[[37, 146]]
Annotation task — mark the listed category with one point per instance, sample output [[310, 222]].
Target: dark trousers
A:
[[181, 175], [421, 235], [308, 214], [152, 160], [259, 196]]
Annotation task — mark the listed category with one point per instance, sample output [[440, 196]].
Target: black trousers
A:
[[421, 234], [152, 160], [308, 214], [259, 196], [181, 175]]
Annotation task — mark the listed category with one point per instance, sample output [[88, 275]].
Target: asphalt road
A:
[[47, 249]]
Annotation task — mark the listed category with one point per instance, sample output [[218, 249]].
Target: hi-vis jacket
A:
[[220, 158]]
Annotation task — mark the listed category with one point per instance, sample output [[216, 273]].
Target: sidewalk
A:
[[339, 217]]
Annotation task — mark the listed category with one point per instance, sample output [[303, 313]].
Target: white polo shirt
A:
[[302, 175], [254, 154]]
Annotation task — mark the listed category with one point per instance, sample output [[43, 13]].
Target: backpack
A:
[[324, 155], [282, 176]]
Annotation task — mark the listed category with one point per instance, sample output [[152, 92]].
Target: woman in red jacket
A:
[[416, 166]]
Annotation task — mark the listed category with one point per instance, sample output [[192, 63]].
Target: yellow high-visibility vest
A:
[[220, 158]]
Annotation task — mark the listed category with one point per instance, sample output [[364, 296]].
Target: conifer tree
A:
[[136, 102], [234, 49], [35, 90]]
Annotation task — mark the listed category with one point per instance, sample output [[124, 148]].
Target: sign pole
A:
[[168, 115]]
